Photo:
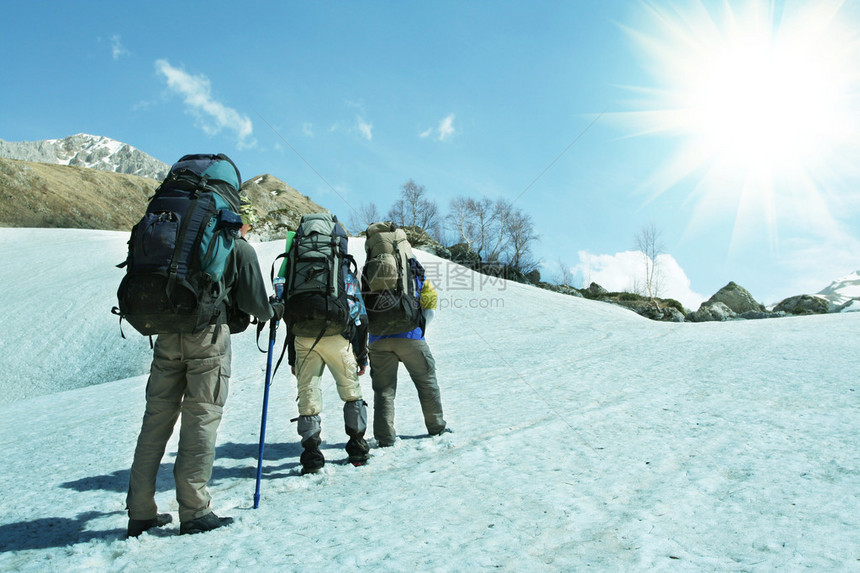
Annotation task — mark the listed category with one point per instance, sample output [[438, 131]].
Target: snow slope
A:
[[843, 290], [585, 437]]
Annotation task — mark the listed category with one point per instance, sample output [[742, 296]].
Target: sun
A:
[[762, 96]]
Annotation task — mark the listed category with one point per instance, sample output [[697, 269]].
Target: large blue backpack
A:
[[178, 251]]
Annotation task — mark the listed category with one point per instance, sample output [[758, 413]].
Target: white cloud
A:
[[365, 129], [626, 271], [212, 114], [308, 129], [117, 49], [446, 128], [443, 131]]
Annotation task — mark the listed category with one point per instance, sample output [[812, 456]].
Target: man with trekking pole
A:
[[190, 373]]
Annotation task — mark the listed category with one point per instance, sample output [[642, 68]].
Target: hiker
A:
[[401, 302], [326, 326], [189, 379]]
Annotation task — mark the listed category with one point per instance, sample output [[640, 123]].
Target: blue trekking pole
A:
[[273, 328], [278, 285], [273, 333]]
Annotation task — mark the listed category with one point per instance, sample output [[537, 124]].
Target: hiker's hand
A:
[[362, 370], [277, 308], [293, 370]]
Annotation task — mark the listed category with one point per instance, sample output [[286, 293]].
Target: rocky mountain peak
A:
[[85, 150]]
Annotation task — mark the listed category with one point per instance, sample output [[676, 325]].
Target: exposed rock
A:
[[712, 311], [651, 309], [673, 315], [803, 304], [596, 290], [569, 290], [736, 298], [758, 314]]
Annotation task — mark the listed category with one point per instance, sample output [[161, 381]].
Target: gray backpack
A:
[[315, 294]]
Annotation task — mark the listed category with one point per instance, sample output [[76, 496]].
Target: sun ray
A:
[[762, 98]]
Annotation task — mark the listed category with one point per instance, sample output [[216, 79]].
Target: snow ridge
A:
[[84, 150]]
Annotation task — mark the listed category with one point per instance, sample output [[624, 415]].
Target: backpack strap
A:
[[115, 310], [174, 264]]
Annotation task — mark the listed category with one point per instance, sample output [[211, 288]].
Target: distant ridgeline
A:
[[83, 150], [93, 182], [732, 302]]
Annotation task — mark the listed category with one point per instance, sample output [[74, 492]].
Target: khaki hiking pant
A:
[[311, 360], [189, 378], [386, 355]]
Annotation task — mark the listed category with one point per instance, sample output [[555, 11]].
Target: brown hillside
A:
[[279, 206], [62, 196], [44, 195]]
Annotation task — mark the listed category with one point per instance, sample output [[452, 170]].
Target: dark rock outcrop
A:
[[803, 304]]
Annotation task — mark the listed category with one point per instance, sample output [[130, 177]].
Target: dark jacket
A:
[[244, 282]]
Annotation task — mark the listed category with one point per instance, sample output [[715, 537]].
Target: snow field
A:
[[584, 437]]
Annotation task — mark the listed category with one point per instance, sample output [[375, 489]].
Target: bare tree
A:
[[649, 244], [459, 220], [366, 214], [564, 276], [413, 209], [494, 230], [498, 231], [521, 234], [479, 224]]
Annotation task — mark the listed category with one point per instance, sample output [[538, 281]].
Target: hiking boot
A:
[[312, 458], [445, 430], [357, 450], [138, 526], [208, 522], [358, 459], [311, 469]]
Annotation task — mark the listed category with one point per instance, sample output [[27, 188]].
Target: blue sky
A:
[[729, 126]]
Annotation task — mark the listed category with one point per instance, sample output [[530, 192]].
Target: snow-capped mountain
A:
[[843, 291], [84, 150]]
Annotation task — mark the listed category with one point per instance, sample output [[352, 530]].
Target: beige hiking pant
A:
[[189, 377], [334, 352]]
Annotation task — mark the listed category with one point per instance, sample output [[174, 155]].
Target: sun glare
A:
[[763, 96]]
